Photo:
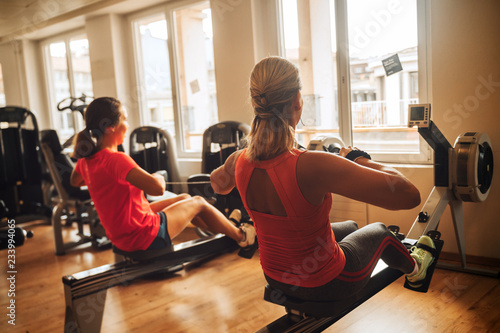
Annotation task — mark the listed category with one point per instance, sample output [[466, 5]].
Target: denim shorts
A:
[[162, 238]]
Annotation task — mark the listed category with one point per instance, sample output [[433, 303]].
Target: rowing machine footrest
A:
[[438, 243], [395, 230], [248, 252]]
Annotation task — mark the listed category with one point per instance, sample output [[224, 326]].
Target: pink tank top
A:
[[300, 248]]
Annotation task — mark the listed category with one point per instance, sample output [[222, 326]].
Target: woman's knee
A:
[[199, 200], [183, 196], [353, 225], [379, 227]]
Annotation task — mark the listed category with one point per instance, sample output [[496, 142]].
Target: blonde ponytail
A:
[[274, 84]]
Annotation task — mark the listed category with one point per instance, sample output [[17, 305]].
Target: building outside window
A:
[[371, 103], [175, 70], [67, 69]]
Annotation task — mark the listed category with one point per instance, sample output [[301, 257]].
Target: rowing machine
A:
[[85, 292], [461, 173]]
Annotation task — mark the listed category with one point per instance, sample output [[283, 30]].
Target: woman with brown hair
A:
[[117, 185]]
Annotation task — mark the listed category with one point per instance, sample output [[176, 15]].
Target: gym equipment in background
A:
[[10, 234], [219, 142], [17, 237], [153, 149], [21, 170], [331, 144], [74, 104]]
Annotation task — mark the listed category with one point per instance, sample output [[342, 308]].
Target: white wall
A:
[[11, 57], [234, 58], [23, 81], [466, 54]]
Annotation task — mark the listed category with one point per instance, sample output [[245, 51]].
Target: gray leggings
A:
[[362, 249]]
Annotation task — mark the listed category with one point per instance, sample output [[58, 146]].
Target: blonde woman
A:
[[288, 194]]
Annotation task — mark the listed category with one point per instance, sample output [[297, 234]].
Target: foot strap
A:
[[429, 249]]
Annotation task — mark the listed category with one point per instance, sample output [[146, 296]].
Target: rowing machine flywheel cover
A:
[[472, 161]]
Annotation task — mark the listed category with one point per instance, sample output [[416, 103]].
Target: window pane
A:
[[378, 30], [82, 78], [309, 35], [60, 89], [195, 63], [80, 60], [2, 91], [155, 74]]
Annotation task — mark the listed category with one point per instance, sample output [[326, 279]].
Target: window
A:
[[2, 91], [175, 70], [314, 54], [369, 110], [67, 69], [154, 74]]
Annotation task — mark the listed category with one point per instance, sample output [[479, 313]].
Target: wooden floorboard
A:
[[225, 294]]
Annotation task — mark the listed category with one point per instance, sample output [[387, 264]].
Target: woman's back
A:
[[124, 211], [295, 238]]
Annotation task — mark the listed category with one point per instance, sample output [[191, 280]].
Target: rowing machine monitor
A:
[[419, 115]]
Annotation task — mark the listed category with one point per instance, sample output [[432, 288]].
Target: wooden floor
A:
[[225, 294]]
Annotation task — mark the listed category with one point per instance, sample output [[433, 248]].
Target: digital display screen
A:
[[417, 113]]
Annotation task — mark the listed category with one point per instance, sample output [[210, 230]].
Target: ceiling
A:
[[36, 19]]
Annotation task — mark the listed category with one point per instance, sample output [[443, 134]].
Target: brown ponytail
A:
[[101, 113]]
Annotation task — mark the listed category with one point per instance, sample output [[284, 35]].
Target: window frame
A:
[[168, 11], [424, 156]]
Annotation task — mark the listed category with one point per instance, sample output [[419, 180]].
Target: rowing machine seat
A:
[[315, 316], [143, 255], [320, 309]]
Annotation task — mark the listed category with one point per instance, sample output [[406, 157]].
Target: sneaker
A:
[[235, 216], [424, 258], [249, 232]]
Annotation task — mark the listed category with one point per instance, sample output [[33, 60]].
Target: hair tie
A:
[[262, 95]]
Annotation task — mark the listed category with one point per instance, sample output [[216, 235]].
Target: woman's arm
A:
[[222, 178], [364, 180], [76, 179], [152, 184]]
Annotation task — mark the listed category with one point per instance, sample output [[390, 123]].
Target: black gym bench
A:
[[85, 292]]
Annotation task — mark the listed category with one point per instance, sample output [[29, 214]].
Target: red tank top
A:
[[300, 248]]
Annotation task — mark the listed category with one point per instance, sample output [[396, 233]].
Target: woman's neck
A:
[[107, 143]]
